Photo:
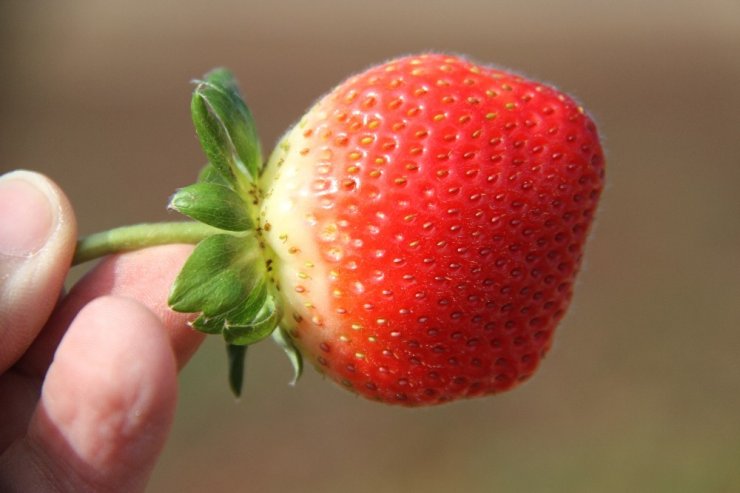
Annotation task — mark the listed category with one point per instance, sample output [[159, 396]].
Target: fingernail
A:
[[27, 215]]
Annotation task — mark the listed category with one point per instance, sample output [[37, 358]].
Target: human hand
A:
[[87, 379]]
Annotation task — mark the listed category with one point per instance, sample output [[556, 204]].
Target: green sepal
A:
[[225, 279], [213, 204], [208, 325], [245, 328], [209, 174], [282, 339], [226, 128], [247, 323], [237, 354], [219, 275]]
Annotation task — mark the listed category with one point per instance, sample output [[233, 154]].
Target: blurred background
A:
[[642, 389]]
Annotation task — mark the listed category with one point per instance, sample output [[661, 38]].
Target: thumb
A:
[[106, 406], [37, 240]]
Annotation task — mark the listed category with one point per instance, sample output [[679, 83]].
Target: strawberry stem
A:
[[137, 236]]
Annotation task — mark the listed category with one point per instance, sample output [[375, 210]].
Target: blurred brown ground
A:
[[642, 389]]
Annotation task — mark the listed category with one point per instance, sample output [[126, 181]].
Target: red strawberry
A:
[[428, 218]]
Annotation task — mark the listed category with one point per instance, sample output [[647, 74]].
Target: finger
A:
[[106, 406], [144, 275], [37, 241]]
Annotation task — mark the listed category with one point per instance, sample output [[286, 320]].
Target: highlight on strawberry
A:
[[415, 236]]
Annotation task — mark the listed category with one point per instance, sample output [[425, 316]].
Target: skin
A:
[[87, 379]]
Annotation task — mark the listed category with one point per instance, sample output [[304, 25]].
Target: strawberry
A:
[[425, 222], [416, 235]]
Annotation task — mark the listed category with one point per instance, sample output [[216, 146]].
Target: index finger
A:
[[144, 275]]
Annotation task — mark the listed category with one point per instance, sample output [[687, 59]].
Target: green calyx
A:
[[227, 279]]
